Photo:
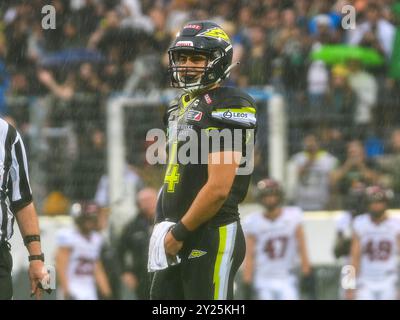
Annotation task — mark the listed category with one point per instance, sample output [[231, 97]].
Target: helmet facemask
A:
[[377, 212], [187, 78], [378, 200]]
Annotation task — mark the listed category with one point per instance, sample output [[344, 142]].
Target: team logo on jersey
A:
[[216, 33], [228, 114], [245, 115], [196, 254], [208, 99], [194, 115]]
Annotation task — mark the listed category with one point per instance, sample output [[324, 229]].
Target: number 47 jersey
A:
[[379, 246], [276, 245]]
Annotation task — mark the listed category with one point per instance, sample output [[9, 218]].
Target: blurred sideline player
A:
[[354, 206], [78, 264], [273, 240], [374, 249]]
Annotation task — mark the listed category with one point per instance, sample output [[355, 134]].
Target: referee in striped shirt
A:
[[16, 203]]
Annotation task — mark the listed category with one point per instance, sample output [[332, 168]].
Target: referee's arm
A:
[[20, 196]]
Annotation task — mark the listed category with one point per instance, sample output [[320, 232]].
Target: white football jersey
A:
[[379, 246], [344, 224], [84, 254], [276, 245]]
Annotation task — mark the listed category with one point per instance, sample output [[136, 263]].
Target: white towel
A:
[[157, 257]]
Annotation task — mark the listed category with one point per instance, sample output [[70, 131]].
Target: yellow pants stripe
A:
[[227, 235]]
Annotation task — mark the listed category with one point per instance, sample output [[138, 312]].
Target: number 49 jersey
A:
[[379, 246], [276, 246]]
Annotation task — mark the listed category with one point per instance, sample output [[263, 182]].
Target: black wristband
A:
[[37, 257], [29, 239], [180, 232]]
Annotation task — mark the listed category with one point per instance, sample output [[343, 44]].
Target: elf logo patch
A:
[[196, 254], [194, 115]]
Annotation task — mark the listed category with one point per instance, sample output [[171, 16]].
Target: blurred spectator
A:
[[55, 204], [133, 183], [257, 69], [133, 16], [291, 46], [390, 166], [333, 140], [238, 52], [71, 36], [4, 84], [162, 37], [63, 91], [308, 175], [17, 42], [376, 32], [331, 18], [89, 167], [318, 82], [318, 74], [134, 242], [340, 107], [365, 87], [354, 170], [243, 25], [179, 13], [271, 24]]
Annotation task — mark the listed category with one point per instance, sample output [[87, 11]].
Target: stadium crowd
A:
[[344, 127], [100, 48]]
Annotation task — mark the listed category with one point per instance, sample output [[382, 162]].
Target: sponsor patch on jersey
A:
[[184, 44], [245, 115], [216, 33], [192, 26], [208, 99], [196, 254], [194, 115]]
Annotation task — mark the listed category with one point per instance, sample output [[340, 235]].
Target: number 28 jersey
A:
[[379, 246], [85, 252], [276, 245]]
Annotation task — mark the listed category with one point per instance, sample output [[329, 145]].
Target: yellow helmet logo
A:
[[216, 33]]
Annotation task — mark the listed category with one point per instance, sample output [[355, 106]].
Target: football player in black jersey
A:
[[202, 195]]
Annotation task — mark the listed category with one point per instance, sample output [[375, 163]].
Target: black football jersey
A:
[[191, 125]]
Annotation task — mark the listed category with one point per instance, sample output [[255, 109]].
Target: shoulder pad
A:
[[234, 108]]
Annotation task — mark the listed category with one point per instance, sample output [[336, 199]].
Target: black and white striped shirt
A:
[[15, 191]]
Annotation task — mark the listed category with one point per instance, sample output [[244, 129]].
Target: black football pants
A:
[[210, 258], [6, 290]]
